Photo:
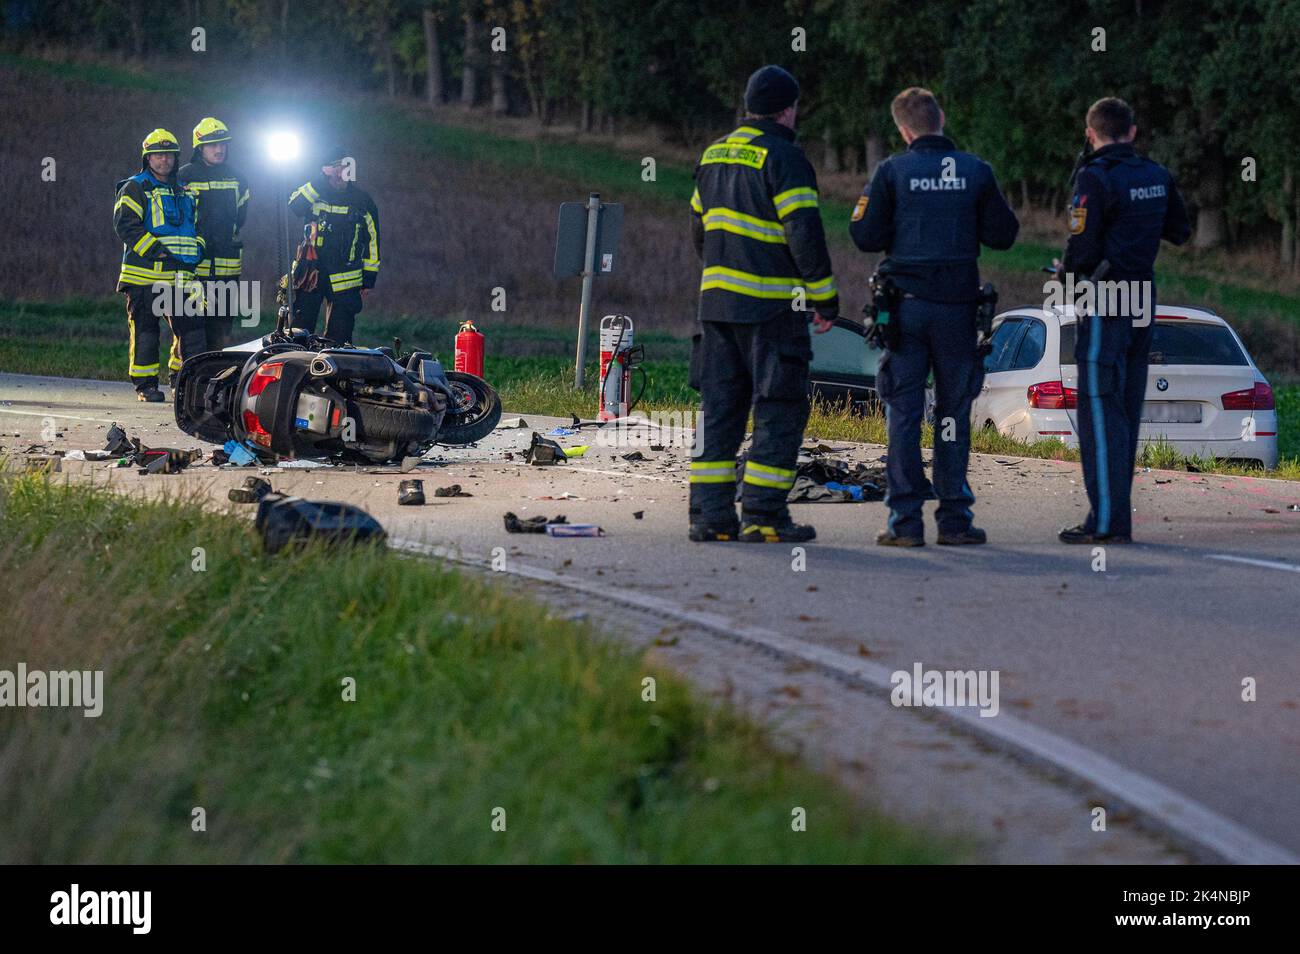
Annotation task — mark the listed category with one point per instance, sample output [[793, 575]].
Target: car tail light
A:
[[1258, 398], [258, 433], [1053, 396], [264, 375]]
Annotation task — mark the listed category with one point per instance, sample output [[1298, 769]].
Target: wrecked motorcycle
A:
[[296, 395]]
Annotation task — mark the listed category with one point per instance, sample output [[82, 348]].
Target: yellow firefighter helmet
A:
[[160, 140], [210, 130]]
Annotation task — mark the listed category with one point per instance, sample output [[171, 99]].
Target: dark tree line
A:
[[1214, 82]]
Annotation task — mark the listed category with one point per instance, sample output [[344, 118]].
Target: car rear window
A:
[[1178, 342], [1194, 342]]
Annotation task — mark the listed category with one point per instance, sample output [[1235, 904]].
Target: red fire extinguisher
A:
[[615, 366], [469, 349]]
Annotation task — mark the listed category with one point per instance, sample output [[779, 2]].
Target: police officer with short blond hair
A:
[[930, 209]]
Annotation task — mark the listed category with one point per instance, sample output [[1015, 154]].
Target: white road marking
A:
[[1270, 564], [1185, 818], [61, 417]]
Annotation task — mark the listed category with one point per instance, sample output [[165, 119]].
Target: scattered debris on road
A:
[[287, 520], [453, 491], [410, 493], [543, 451], [252, 490], [574, 530], [512, 424], [536, 524]]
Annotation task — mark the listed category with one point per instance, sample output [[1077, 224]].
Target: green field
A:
[[221, 693]]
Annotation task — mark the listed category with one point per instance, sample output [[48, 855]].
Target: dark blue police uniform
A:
[[930, 209], [1123, 205]]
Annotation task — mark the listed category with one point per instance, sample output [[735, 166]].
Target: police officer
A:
[[1123, 205], [930, 209], [339, 261], [758, 232], [221, 206], [154, 218]]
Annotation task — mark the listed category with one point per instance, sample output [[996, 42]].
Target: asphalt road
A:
[[1141, 662]]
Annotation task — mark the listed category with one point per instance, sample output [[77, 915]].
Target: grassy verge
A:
[[533, 369], [222, 690]]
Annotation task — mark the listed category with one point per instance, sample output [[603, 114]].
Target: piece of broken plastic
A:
[[238, 455], [574, 530]]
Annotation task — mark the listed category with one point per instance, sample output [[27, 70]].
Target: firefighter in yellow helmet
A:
[[154, 218], [220, 196]]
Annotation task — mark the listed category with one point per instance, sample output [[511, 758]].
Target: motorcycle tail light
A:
[[256, 432], [265, 374]]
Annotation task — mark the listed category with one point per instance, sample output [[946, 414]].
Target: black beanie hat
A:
[[770, 90], [333, 155]]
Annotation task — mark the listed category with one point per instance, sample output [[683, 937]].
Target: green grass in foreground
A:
[[533, 370], [222, 690]]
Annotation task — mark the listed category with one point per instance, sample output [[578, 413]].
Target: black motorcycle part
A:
[[474, 412]]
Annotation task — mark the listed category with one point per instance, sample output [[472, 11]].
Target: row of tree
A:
[[1213, 81]]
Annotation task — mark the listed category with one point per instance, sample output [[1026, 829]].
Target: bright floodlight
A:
[[283, 146]]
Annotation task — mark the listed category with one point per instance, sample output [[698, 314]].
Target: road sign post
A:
[[586, 243]]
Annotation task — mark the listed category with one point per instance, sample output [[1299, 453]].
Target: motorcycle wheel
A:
[[403, 425], [473, 414]]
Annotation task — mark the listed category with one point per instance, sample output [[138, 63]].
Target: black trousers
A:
[[341, 310], [938, 337], [738, 368], [145, 334]]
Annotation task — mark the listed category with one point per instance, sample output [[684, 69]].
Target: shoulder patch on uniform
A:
[[1078, 218], [860, 209]]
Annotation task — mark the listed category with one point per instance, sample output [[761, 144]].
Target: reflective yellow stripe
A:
[[371, 262], [318, 207], [307, 191], [791, 199], [180, 244], [729, 220], [762, 475], [713, 471], [770, 471], [130, 203], [218, 184], [735, 154], [134, 275], [744, 134], [744, 283], [143, 244], [822, 290], [242, 199], [342, 281], [696, 205]]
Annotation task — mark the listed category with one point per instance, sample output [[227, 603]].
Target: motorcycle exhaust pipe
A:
[[322, 367]]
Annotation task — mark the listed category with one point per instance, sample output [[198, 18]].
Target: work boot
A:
[[765, 529], [1080, 535], [967, 536], [887, 539], [713, 532], [149, 393]]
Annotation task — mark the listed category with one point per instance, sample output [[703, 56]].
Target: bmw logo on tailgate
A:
[[1162, 384]]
